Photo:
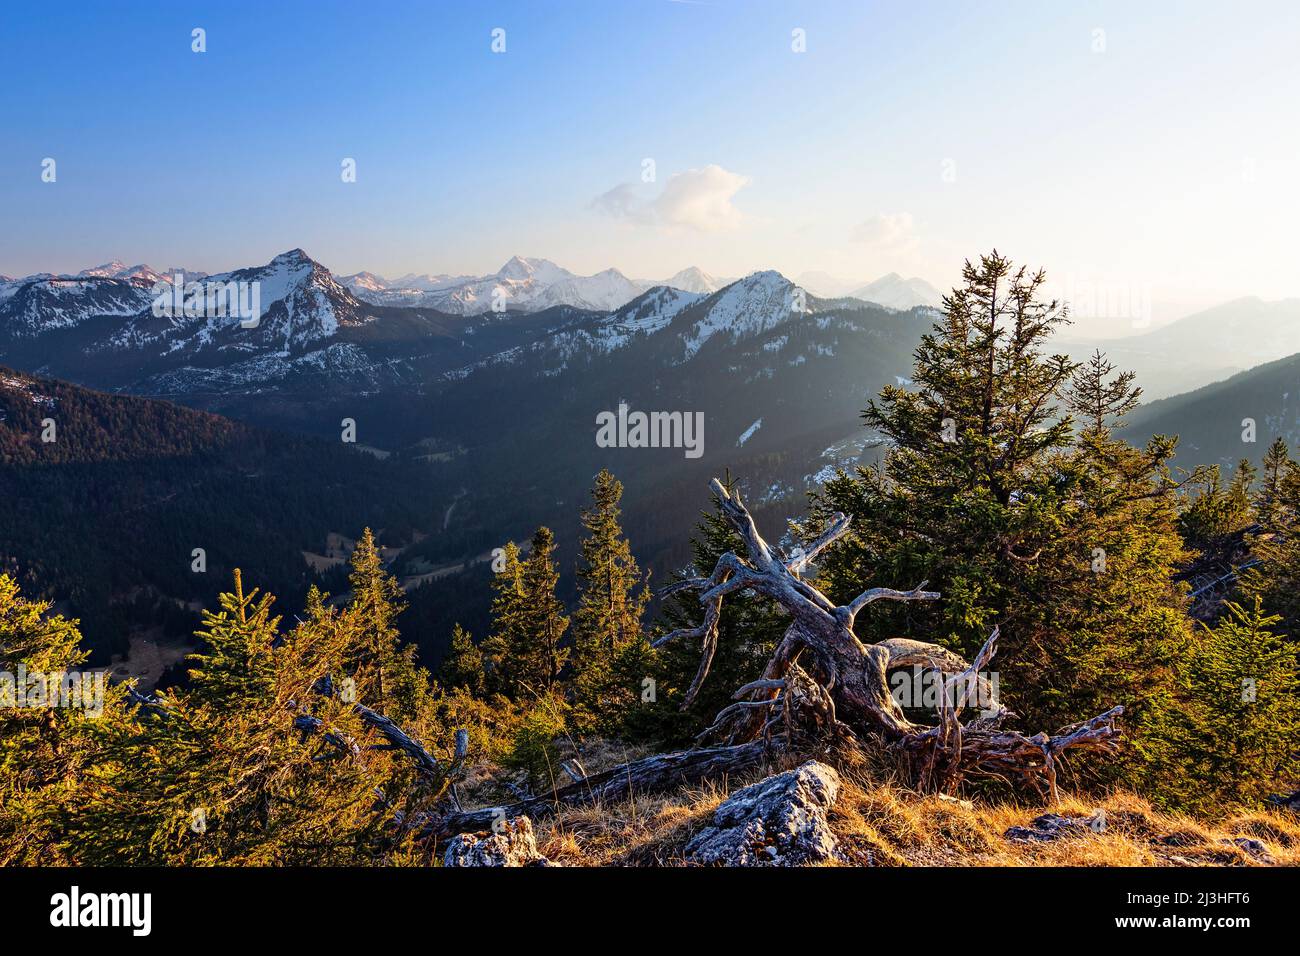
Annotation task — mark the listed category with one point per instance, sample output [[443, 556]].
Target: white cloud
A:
[[888, 233], [697, 199], [701, 199]]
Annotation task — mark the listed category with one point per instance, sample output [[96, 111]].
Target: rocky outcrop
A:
[[1054, 826], [511, 844], [1253, 848], [1286, 801], [780, 821]]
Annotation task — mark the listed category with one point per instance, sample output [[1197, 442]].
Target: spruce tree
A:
[[1272, 571], [1237, 731], [969, 495], [501, 648], [1214, 513], [382, 665], [524, 651], [50, 753], [1276, 500], [218, 774], [463, 665], [1060, 534], [544, 616], [263, 761], [607, 622]]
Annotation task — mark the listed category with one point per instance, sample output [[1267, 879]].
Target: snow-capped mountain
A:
[[9, 285], [521, 285], [316, 337], [296, 301], [695, 280], [747, 307], [364, 282], [894, 292], [141, 272], [602, 292], [779, 375], [31, 307]]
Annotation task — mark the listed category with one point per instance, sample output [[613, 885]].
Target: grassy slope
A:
[[883, 825]]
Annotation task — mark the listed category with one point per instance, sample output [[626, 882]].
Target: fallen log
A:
[[660, 772]]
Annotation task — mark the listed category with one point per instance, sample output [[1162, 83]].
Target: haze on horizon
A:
[[1143, 149]]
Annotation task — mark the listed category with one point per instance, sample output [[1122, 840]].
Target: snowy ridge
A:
[[747, 307], [522, 284], [894, 292], [301, 304], [44, 305]]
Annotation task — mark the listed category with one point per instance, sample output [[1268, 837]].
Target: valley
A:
[[487, 423]]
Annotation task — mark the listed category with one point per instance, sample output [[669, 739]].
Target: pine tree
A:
[[608, 618], [1277, 499], [528, 623], [1062, 536], [382, 665], [49, 751], [1272, 572], [463, 665], [263, 761], [1237, 732]]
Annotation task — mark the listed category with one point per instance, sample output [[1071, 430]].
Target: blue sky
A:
[[1169, 157]]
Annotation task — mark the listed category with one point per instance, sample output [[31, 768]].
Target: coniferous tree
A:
[[1272, 573], [607, 622], [1065, 539], [528, 622], [504, 666], [49, 751], [463, 665], [1216, 512], [252, 765], [544, 618], [383, 666], [1119, 627], [1240, 494], [1279, 491], [970, 494], [1237, 731]]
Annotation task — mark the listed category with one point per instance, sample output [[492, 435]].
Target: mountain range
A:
[[522, 284], [1205, 347], [498, 410], [1215, 421], [892, 290]]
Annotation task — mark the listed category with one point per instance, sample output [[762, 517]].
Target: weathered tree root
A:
[[850, 677]]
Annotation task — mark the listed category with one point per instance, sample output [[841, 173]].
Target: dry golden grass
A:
[[885, 825]]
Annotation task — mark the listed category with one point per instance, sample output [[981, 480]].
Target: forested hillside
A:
[[107, 497]]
